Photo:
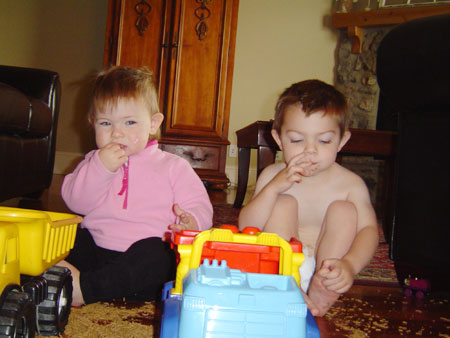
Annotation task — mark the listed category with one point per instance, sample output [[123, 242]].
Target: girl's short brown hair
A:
[[312, 96], [119, 82]]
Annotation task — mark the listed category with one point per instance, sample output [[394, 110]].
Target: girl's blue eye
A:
[[105, 123], [129, 123]]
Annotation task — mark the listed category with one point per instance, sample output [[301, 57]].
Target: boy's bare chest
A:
[[313, 202]]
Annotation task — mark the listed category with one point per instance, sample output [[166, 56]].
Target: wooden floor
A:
[[364, 311]]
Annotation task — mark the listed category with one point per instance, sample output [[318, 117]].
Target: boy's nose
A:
[[310, 148]]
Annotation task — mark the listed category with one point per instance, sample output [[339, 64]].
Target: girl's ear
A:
[[344, 139], [155, 123], [277, 138]]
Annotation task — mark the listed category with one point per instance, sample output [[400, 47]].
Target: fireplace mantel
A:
[[354, 21]]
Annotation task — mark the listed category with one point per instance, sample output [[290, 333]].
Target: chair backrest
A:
[[413, 68], [413, 71]]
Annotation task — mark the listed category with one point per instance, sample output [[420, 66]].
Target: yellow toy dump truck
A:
[[35, 295]]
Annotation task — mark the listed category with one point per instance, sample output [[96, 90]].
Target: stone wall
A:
[[355, 76]]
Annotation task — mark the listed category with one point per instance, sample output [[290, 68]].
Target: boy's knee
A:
[[287, 203], [342, 212], [284, 218], [342, 208]]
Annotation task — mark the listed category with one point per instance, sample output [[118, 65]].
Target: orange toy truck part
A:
[[241, 256], [243, 251]]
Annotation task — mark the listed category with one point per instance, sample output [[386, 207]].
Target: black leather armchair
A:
[[29, 107], [413, 71]]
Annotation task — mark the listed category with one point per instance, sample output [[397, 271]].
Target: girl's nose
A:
[[117, 132]]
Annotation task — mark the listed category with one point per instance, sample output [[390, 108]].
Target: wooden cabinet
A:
[[189, 45]]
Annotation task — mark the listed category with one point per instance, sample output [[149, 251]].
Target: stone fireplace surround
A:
[[355, 76]]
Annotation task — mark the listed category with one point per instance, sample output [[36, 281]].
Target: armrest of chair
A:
[[40, 88], [37, 83], [22, 115]]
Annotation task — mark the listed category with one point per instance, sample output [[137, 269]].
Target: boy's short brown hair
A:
[[120, 82], [313, 96]]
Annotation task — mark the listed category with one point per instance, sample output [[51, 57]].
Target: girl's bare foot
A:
[[77, 296], [322, 298]]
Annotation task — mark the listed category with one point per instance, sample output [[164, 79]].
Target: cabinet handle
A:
[[173, 46], [175, 42], [165, 44], [197, 159]]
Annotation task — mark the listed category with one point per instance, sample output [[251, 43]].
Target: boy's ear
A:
[[277, 138], [155, 123], [344, 139]]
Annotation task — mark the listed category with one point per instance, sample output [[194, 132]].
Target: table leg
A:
[[243, 168], [266, 156]]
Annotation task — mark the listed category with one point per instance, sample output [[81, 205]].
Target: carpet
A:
[[124, 319]]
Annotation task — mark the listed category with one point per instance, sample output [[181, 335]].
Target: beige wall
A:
[[278, 42], [65, 36]]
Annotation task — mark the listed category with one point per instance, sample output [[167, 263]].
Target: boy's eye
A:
[[296, 141], [104, 123], [130, 123], [325, 141]]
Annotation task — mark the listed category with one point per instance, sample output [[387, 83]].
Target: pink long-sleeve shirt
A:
[[156, 181]]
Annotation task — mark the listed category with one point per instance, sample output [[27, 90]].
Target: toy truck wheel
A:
[[420, 294], [17, 315], [53, 312], [408, 292]]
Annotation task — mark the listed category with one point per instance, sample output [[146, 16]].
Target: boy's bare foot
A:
[[322, 298], [311, 307], [77, 296]]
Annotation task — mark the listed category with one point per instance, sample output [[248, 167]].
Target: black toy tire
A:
[[53, 312], [17, 314]]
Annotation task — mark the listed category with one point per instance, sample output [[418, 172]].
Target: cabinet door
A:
[[136, 33], [200, 68], [189, 45]]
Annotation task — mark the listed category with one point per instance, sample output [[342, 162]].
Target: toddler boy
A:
[[313, 198]]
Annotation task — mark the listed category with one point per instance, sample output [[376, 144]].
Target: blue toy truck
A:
[[217, 301]]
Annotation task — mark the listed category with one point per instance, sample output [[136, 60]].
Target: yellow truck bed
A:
[[44, 238]]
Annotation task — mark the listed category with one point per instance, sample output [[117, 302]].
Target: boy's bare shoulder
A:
[[272, 170], [348, 178], [268, 173], [346, 173]]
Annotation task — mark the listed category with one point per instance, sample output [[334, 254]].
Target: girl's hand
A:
[[112, 156], [298, 167], [338, 274], [185, 220]]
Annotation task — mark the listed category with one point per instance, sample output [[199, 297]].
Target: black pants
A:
[[138, 273]]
